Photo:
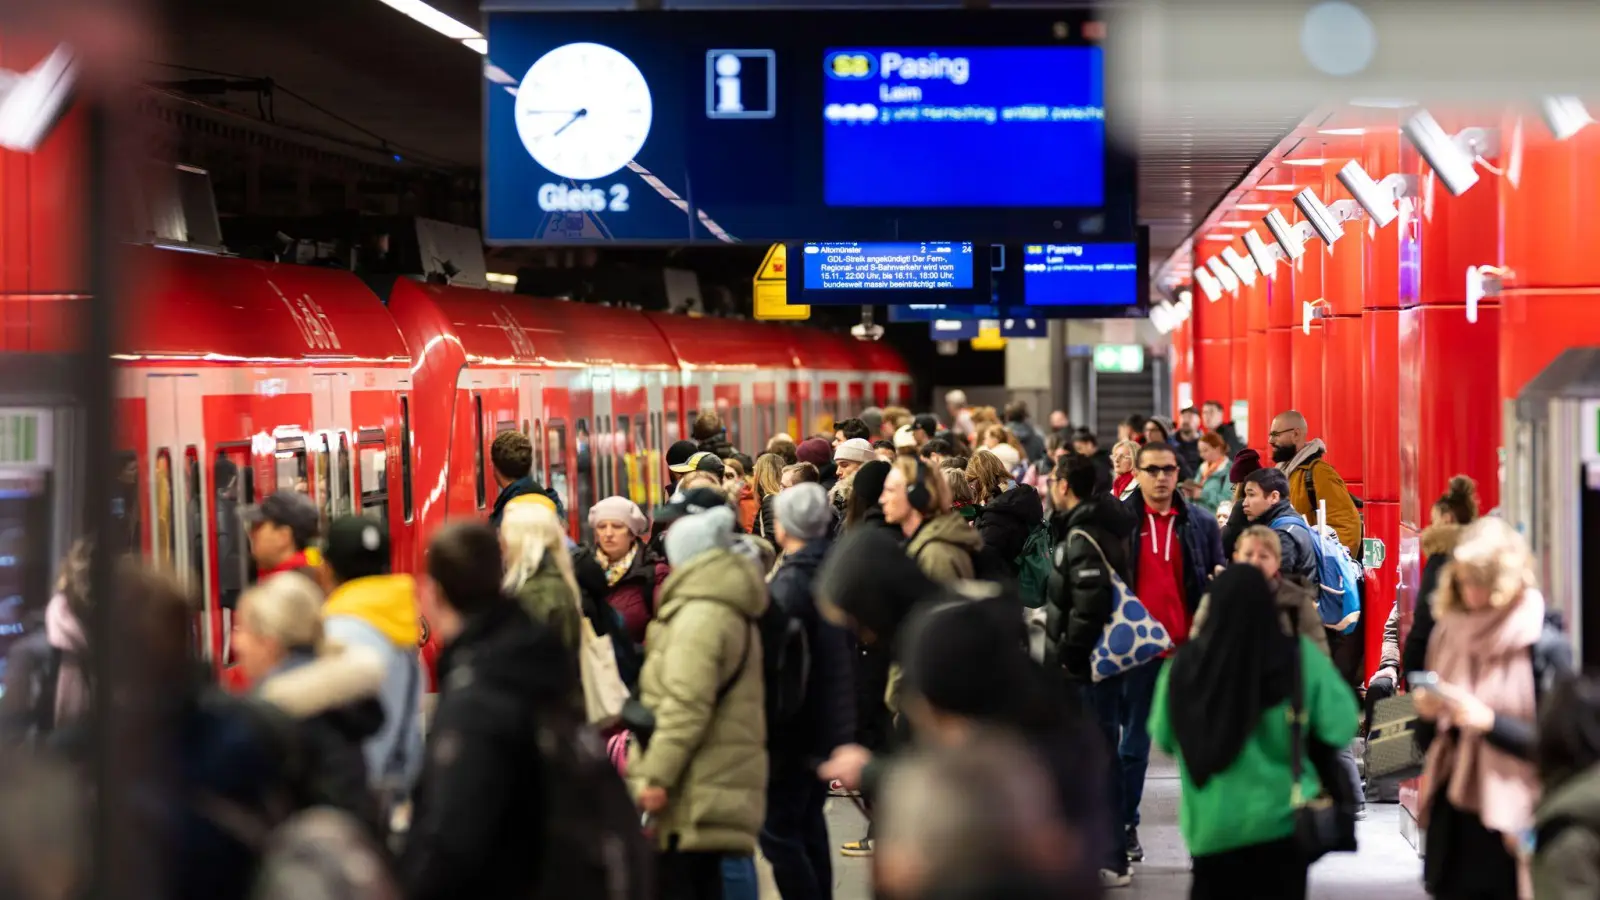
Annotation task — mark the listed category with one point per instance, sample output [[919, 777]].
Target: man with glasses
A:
[[1312, 480], [1174, 548]]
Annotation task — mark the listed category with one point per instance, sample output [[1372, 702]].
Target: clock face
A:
[[583, 111]]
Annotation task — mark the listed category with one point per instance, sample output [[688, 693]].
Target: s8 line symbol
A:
[[850, 64]]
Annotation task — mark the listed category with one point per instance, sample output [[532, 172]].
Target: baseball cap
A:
[[697, 500], [926, 422], [704, 461], [287, 508], [678, 456], [356, 547]]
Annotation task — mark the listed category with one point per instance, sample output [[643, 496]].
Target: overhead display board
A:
[[837, 125], [857, 266], [1082, 275], [904, 313]]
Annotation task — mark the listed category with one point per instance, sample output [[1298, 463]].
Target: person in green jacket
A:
[[1212, 475], [1222, 707], [539, 569]]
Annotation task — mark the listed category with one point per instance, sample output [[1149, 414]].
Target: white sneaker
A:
[[1112, 879]]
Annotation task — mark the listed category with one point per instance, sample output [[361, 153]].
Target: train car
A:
[[237, 377]]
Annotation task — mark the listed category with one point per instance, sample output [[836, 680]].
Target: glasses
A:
[[1158, 471], [1271, 435]]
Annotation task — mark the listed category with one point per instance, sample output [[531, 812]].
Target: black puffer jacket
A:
[[1004, 523], [766, 523], [827, 719], [1081, 598], [479, 819]]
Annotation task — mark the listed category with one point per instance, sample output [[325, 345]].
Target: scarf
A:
[[1237, 668], [1312, 448], [615, 570], [65, 633], [1487, 653]]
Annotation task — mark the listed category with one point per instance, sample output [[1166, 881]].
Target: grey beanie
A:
[[693, 535], [804, 511]]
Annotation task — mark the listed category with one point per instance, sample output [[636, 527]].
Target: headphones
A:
[[917, 490]]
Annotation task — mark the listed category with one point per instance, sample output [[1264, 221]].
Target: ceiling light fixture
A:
[[1233, 223], [1565, 116], [1342, 132], [426, 15], [1451, 156], [1208, 285], [1252, 207], [1265, 256], [1376, 197], [1242, 266], [1287, 236], [1224, 274], [1305, 162], [1287, 188]]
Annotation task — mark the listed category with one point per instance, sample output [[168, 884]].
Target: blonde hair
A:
[[699, 479], [531, 534], [916, 471], [769, 473], [896, 416], [989, 472], [1002, 433], [286, 608], [1492, 553], [1264, 536]]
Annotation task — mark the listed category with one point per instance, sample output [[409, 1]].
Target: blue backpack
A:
[[1338, 576]]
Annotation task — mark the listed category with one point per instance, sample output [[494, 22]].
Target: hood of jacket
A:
[[1308, 454], [872, 581], [341, 685], [524, 485], [1440, 539], [1103, 511], [1576, 800], [386, 602], [949, 528], [1021, 504], [721, 576], [504, 650]]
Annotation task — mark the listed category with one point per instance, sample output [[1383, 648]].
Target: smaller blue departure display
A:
[[1081, 275], [910, 266]]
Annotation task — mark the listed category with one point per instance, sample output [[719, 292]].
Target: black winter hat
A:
[[965, 657], [678, 455]]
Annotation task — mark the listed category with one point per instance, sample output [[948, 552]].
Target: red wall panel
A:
[[1306, 357], [1280, 374], [1342, 424]]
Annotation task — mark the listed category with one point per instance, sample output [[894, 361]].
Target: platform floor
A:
[[1387, 866]]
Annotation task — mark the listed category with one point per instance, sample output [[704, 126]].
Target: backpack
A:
[[594, 847], [1338, 576], [1034, 566], [786, 664]]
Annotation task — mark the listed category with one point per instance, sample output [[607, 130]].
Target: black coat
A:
[[1202, 545], [1081, 598], [517, 489], [1004, 524], [827, 719], [1413, 656], [479, 823]]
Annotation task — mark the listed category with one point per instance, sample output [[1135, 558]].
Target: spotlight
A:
[[1208, 285], [1241, 266], [1224, 274], [1266, 259], [1323, 221], [1376, 197], [1285, 235], [1565, 116], [1450, 157]]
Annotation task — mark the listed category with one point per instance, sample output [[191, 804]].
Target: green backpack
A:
[[1034, 566]]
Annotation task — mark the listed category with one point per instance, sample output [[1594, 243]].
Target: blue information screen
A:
[[900, 314], [929, 266], [964, 126], [1081, 275]]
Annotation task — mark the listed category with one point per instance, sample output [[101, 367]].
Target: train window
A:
[[195, 512], [768, 413], [290, 465], [608, 457], [127, 503], [324, 474], [233, 481], [733, 417], [405, 457], [584, 477], [537, 436], [479, 476], [627, 463], [373, 458], [556, 436], [502, 427], [165, 540], [344, 500], [640, 455]]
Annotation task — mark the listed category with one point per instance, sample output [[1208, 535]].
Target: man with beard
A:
[[1312, 480]]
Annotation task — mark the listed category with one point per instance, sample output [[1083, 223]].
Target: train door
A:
[[631, 436], [764, 405], [603, 441], [822, 420], [180, 535], [729, 402], [530, 419], [855, 404], [799, 407], [654, 437]]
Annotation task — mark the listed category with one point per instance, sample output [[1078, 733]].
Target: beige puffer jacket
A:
[[711, 757]]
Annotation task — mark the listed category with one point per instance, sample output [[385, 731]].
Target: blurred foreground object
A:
[[43, 830], [32, 102], [323, 854]]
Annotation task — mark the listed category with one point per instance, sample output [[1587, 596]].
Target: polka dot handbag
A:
[[1132, 637]]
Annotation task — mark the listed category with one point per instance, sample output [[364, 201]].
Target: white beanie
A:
[[1008, 455], [693, 535], [904, 438], [804, 511], [853, 450]]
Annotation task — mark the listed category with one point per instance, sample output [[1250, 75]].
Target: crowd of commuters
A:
[[973, 627]]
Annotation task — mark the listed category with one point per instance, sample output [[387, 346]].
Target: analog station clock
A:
[[583, 111]]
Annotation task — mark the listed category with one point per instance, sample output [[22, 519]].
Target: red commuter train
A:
[[238, 377]]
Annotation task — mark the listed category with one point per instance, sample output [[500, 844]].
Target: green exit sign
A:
[[1124, 359]]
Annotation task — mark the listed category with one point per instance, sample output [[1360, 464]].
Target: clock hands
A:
[[575, 117]]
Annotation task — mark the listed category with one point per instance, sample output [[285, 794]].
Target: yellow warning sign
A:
[[772, 288], [988, 337]]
